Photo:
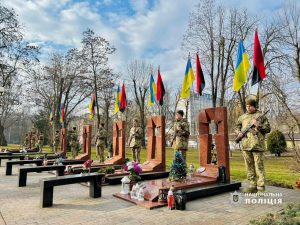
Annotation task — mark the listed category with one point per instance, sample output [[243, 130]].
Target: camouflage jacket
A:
[[135, 137], [74, 143], [101, 136], [182, 133], [56, 139], [26, 141], [255, 137]]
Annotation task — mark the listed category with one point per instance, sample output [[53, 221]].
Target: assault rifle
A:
[[248, 128]]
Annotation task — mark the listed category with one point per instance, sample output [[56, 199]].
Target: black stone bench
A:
[[47, 185], [9, 164], [10, 157], [5, 153], [23, 172]]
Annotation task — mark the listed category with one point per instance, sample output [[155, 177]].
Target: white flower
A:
[[129, 164], [130, 167]]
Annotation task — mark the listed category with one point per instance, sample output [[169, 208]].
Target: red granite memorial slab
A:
[[87, 140], [156, 152], [119, 129]]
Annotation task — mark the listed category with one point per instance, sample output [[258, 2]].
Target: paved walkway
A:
[[73, 206]]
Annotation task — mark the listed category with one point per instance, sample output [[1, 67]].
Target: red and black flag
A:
[[200, 82], [259, 72], [160, 89], [123, 100]]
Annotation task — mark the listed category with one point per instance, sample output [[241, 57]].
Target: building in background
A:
[[195, 104]]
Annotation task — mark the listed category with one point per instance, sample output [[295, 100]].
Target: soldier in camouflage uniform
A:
[[253, 145], [100, 141], [74, 143], [26, 141], [40, 142], [56, 141], [135, 140], [181, 134]]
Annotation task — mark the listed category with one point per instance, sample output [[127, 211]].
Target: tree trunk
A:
[[3, 141]]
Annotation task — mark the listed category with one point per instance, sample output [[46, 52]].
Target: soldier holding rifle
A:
[[252, 127]]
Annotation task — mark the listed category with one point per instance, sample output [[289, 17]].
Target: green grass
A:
[[277, 168]]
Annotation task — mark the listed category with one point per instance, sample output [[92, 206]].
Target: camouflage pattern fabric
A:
[[100, 142], [74, 143], [182, 133], [255, 138], [135, 137], [253, 147], [254, 161]]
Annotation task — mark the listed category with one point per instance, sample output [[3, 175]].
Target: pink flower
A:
[[88, 163]]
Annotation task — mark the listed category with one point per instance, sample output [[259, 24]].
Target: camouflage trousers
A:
[[55, 148], [136, 154], [74, 152], [254, 161], [100, 151]]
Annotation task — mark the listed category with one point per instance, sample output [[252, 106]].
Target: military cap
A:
[[251, 102]]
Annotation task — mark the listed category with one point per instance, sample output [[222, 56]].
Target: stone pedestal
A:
[[156, 151], [219, 116], [87, 140], [63, 141], [200, 184], [119, 129]]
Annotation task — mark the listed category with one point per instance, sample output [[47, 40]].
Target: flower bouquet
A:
[[87, 166], [134, 170]]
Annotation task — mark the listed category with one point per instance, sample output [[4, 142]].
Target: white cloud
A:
[[153, 33], [139, 6]]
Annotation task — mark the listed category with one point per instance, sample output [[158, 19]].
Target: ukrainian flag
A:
[[117, 103], [92, 106], [241, 68], [152, 92], [188, 80]]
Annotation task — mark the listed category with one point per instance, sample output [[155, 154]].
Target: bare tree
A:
[[139, 72], [214, 31], [95, 51], [59, 83], [10, 28], [106, 103], [16, 58]]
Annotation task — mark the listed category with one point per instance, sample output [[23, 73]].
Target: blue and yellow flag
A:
[[241, 68], [188, 80], [117, 103], [92, 106], [152, 92]]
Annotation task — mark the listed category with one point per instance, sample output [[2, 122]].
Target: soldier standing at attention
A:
[[253, 145], [26, 141], [135, 140], [40, 142], [74, 143], [100, 141], [56, 141], [181, 134]]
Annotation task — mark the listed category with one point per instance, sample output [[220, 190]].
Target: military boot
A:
[[260, 189], [250, 189]]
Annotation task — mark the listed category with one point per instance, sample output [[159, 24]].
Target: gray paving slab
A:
[[20, 205]]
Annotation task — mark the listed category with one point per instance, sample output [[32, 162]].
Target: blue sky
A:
[[139, 29]]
